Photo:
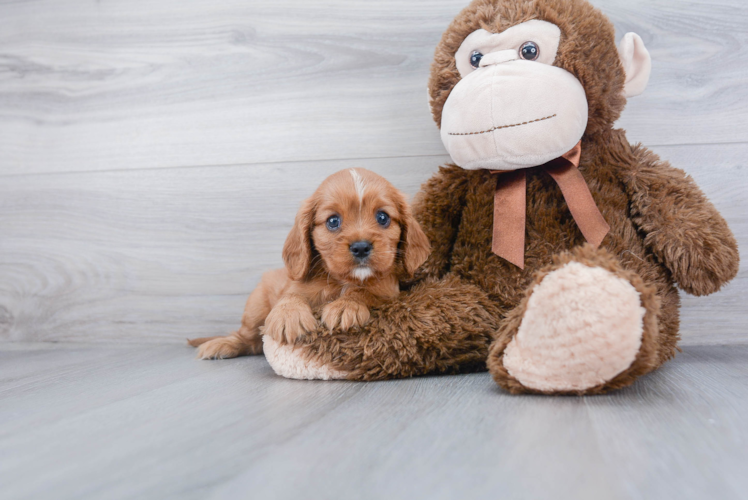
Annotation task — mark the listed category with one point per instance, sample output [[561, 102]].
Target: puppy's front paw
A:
[[288, 320], [345, 312]]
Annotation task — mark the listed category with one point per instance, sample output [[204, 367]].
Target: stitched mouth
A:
[[504, 126]]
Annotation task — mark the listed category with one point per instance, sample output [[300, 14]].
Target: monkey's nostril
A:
[[360, 249]]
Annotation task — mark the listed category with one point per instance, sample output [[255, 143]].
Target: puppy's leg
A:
[[352, 308], [240, 343], [291, 318], [247, 340], [347, 311]]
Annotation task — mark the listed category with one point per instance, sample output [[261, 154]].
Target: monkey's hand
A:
[[681, 226], [290, 318]]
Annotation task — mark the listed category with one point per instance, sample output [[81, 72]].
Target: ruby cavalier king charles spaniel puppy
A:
[[352, 243]]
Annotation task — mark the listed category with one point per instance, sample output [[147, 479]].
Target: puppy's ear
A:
[[414, 244], [297, 251]]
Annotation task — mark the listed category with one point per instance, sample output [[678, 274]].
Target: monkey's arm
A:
[[438, 326], [438, 209], [681, 225]]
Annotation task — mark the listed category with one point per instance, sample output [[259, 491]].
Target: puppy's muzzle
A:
[[361, 250]]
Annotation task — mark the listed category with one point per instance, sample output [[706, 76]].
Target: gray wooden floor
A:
[[97, 421]]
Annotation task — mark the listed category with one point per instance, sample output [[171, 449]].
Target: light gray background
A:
[[152, 157], [153, 154]]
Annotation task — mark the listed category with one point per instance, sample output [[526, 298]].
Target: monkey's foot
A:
[[581, 329]]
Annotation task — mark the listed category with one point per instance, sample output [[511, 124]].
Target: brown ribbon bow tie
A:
[[509, 206]]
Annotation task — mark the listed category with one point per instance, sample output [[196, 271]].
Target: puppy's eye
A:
[[529, 51], [333, 222], [475, 58], [383, 219]]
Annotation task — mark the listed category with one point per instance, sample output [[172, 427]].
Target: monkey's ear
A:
[[297, 251], [636, 63]]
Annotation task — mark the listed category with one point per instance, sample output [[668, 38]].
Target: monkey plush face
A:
[[512, 108], [517, 84]]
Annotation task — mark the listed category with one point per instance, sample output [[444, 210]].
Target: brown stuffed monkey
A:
[[557, 245]]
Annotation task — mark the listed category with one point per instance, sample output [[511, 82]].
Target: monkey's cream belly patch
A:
[[290, 363], [582, 327]]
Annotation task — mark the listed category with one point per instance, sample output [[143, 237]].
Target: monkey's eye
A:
[[475, 58], [529, 51], [383, 219], [333, 222]]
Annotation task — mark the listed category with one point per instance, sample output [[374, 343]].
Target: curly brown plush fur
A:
[[440, 326], [664, 232]]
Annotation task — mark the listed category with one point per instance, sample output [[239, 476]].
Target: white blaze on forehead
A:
[[358, 181]]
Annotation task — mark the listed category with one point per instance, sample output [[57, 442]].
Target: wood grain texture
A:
[[84, 422], [151, 255], [152, 155], [160, 255], [119, 85]]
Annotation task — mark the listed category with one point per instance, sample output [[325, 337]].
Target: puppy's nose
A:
[[360, 249]]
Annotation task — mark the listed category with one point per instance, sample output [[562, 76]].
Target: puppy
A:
[[352, 242]]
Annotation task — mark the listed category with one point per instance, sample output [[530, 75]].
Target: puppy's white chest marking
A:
[[358, 182], [361, 273]]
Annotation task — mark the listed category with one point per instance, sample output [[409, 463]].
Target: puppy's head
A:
[[356, 226]]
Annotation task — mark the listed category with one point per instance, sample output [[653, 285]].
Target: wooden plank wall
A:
[[153, 154]]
